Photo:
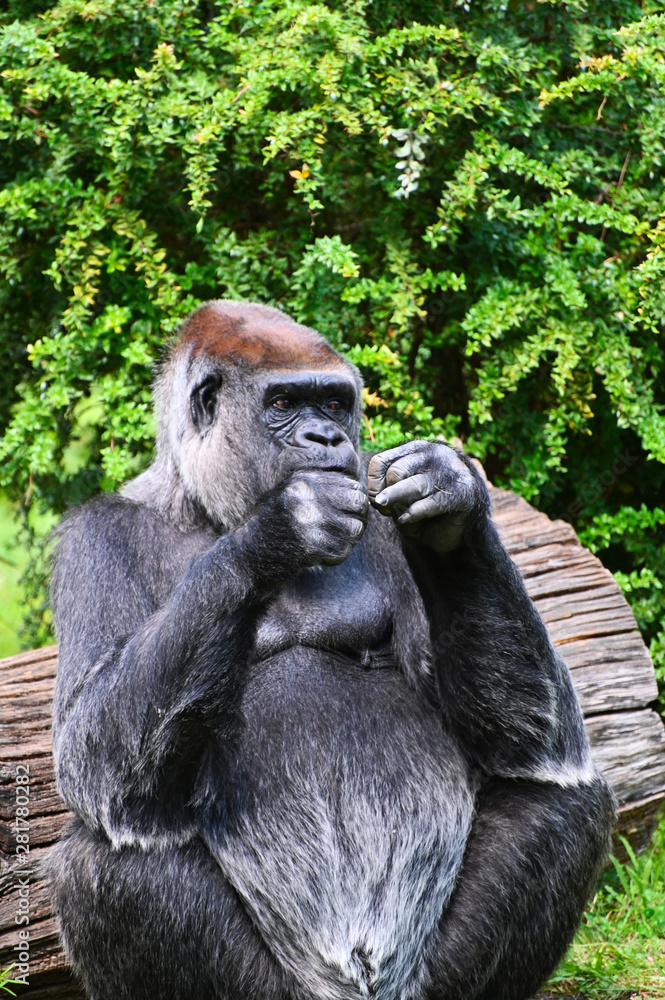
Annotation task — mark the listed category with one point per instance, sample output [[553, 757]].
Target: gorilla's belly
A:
[[361, 810]]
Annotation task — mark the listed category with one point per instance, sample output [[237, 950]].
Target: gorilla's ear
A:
[[203, 401]]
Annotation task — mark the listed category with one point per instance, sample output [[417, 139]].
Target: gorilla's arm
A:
[[154, 627], [138, 675], [506, 693], [543, 813]]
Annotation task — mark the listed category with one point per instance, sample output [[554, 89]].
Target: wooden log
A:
[[585, 612], [26, 694], [594, 629], [587, 617]]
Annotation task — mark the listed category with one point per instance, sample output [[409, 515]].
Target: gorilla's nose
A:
[[322, 432]]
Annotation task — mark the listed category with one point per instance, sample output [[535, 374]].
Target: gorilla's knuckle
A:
[[355, 528], [316, 539], [395, 474], [300, 489], [307, 513], [358, 502], [423, 482]]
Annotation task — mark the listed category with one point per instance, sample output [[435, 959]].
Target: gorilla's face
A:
[[309, 419], [249, 430]]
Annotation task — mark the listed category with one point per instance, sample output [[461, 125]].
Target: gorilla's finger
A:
[[341, 539], [338, 557], [381, 463], [405, 492], [376, 474], [354, 528], [351, 508], [420, 511], [352, 501], [406, 466]]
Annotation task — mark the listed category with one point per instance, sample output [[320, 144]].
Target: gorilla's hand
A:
[[327, 512], [433, 492]]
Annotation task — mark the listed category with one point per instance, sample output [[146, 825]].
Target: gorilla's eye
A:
[[203, 401], [335, 404], [282, 403]]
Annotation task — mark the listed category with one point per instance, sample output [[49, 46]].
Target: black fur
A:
[[313, 755]]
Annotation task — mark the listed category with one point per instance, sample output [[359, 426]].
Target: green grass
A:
[[619, 950], [13, 559], [6, 980]]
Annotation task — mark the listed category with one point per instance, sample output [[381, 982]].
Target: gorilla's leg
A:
[[161, 925], [530, 866]]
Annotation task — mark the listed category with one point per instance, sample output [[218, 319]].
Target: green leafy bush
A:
[[467, 197]]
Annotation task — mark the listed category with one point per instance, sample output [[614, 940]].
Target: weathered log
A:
[[584, 610], [588, 620]]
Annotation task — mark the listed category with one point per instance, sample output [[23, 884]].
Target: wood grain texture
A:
[[585, 613]]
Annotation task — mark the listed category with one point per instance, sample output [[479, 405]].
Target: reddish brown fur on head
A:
[[255, 335]]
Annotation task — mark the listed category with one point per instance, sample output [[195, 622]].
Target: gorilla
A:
[[315, 737]]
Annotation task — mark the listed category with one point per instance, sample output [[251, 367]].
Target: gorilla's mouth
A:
[[335, 468], [351, 470], [328, 463]]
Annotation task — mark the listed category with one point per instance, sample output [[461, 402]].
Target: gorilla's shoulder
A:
[[115, 535], [111, 519]]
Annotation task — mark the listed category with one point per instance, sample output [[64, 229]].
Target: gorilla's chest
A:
[[358, 810], [341, 608]]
